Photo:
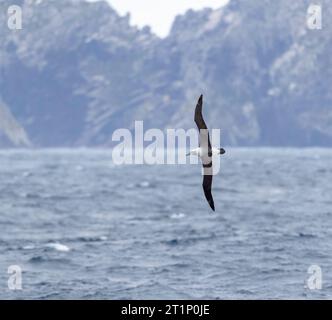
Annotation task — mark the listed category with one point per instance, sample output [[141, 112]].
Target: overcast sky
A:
[[159, 14]]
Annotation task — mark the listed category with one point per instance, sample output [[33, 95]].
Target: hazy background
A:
[[79, 70]]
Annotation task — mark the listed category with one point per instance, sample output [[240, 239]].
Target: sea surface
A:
[[80, 227]]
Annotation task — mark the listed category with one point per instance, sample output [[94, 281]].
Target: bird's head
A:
[[222, 151]]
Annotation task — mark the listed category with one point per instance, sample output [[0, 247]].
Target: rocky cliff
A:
[[77, 71]]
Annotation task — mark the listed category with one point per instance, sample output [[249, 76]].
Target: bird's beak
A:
[[188, 154]]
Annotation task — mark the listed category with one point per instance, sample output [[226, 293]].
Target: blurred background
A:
[[79, 70]]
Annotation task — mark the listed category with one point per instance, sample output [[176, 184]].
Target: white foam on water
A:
[[58, 247], [26, 174], [144, 184], [29, 247], [177, 216]]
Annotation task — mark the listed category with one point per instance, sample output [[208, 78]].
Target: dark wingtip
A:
[[200, 97]]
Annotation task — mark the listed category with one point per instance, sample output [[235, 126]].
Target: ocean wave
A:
[[46, 259], [188, 241], [178, 215], [92, 239], [58, 247], [306, 235], [29, 247]]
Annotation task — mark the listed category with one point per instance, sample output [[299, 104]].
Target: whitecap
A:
[[26, 174], [58, 247], [93, 239], [29, 247], [144, 184], [177, 216]]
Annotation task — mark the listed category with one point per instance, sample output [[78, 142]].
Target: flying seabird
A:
[[205, 152]]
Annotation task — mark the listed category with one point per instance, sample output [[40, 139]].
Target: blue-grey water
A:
[[82, 228]]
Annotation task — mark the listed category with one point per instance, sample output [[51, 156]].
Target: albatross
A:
[[205, 151]]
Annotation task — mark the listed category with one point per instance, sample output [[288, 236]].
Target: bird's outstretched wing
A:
[[204, 137], [198, 114], [207, 184]]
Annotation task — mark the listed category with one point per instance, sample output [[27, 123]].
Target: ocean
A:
[[79, 227]]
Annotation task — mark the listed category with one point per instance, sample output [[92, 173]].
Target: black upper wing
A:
[[204, 137], [198, 114], [207, 184]]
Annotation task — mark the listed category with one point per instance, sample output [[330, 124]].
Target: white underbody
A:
[[200, 152]]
